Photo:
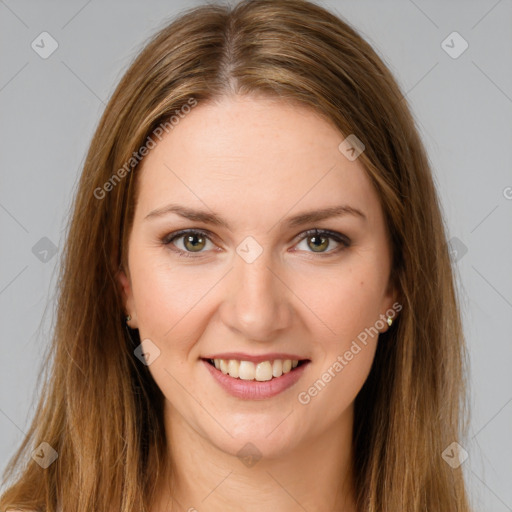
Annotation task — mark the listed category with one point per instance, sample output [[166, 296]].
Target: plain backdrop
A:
[[463, 106]]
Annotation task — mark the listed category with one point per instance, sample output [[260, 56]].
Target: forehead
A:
[[247, 157]]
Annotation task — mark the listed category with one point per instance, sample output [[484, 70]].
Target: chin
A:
[[257, 437]]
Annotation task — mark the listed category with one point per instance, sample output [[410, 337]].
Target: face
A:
[[254, 279]]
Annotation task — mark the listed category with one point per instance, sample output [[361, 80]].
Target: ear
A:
[[391, 306], [125, 289]]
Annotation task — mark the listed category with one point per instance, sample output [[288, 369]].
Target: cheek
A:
[[170, 301], [346, 300], [331, 391], [349, 307], [166, 296]]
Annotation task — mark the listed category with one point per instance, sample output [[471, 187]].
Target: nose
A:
[[257, 305]]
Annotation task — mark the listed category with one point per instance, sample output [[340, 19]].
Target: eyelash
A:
[[333, 235]]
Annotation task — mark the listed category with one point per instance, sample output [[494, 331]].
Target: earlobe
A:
[[392, 308]]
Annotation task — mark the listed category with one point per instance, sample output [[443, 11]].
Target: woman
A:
[[257, 309]]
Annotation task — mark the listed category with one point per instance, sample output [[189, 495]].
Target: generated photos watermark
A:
[[305, 397], [150, 143]]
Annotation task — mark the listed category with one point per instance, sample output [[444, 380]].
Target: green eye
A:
[[194, 241], [318, 240], [319, 243]]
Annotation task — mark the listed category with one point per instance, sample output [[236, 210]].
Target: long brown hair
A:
[[102, 412]]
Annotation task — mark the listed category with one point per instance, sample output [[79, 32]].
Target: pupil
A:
[[195, 246], [321, 245]]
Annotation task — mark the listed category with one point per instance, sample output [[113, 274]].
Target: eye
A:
[[194, 241], [318, 240], [191, 241]]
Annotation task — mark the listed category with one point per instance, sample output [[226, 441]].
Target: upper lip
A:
[[256, 358]]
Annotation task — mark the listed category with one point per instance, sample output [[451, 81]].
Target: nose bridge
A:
[[259, 303]]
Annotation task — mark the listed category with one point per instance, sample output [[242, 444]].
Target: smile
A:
[[255, 380], [247, 370]]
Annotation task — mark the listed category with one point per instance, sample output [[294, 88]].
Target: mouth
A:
[[262, 371], [256, 379]]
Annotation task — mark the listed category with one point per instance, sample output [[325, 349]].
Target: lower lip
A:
[[255, 390]]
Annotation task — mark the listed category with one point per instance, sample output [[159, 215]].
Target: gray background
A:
[[463, 106]]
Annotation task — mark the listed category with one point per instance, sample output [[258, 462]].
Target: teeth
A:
[[277, 368], [263, 371], [234, 368], [247, 370]]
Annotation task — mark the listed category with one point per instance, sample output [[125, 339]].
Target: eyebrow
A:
[[296, 220]]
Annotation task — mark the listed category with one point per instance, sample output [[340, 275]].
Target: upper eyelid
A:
[[183, 232]]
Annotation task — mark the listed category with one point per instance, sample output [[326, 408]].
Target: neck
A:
[[315, 475]]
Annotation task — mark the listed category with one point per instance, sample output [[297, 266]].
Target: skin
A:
[[256, 161]]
